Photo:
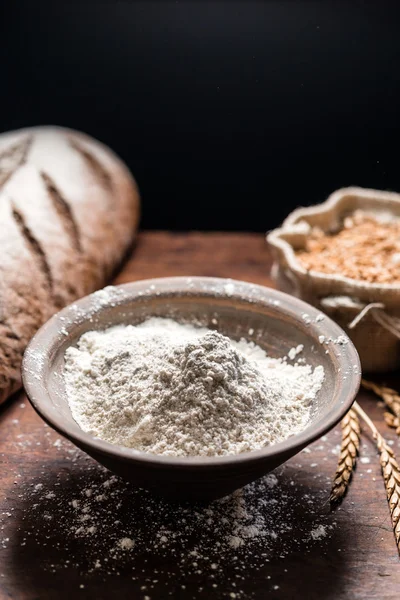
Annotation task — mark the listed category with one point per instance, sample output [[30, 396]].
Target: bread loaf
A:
[[69, 209]]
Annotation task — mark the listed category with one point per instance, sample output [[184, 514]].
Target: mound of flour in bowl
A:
[[180, 390]]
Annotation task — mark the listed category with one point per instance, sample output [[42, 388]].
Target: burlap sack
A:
[[370, 313]]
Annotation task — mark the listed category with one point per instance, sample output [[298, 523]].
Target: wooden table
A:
[[42, 556]]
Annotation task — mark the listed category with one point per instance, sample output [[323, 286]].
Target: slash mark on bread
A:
[[64, 212], [7, 330], [98, 170], [34, 246], [13, 157]]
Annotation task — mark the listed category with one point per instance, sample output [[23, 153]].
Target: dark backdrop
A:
[[229, 113]]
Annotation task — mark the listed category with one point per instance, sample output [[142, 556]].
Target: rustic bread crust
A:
[[69, 209]]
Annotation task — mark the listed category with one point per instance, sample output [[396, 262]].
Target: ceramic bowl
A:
[[272, 319]]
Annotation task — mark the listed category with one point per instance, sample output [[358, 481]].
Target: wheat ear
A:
[[390, 472], [390, 397], [392, 400], [348, 457], [392, 421]]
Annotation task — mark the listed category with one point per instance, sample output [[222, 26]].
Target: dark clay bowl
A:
[[274, 320]]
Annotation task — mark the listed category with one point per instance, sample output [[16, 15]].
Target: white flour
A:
[[179, 390]]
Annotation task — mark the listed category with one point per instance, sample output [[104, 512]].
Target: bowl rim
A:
[[49, 335]]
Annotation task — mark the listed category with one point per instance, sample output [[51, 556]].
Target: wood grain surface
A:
[[313, 553]]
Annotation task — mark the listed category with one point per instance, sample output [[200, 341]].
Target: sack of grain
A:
[[367, 307]]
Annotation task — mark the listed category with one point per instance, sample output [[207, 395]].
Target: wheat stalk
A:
[[348, 457], [390, 397], [390, 472]]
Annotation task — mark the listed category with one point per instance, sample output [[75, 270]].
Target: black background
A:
[[229, 114]]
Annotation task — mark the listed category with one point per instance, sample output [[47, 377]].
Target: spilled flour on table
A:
[[89, 521]]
